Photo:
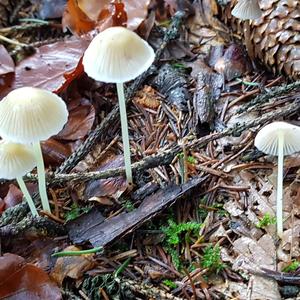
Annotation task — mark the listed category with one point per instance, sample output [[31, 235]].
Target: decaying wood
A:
[[102, 233], [37, 226]]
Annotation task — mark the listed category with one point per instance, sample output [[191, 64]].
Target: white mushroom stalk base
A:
[[279, 199], [41, 176], [27, 196], [125, 136]]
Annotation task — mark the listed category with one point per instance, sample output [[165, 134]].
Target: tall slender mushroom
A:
[[279, 139], [117, 55], [29, 115], [15, 161]]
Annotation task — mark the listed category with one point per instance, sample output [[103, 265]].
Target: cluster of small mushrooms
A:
[[29, 115]]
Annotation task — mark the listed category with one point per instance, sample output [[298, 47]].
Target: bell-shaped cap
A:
[[117, 55], [15, 160], [267, 138], [29, 115], [247, 10]]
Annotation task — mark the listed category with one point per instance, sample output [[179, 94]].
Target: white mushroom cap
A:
[[247, 10], [29, 115], [117, 55], [15, 160], [267, 138]]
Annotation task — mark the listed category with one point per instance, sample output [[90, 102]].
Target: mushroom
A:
[[247, 10], [15, 161], [29, 115], [117, 55], [279, 139]]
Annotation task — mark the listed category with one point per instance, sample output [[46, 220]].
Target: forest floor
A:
[[199, 221]]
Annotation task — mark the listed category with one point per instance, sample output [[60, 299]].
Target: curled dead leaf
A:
[[72, 266]]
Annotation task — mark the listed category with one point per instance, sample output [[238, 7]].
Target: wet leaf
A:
[[55, 152], [80, 122], [19, 280], [6, 62], [2, 206], [72, 266], [47, 67], [13, 197]]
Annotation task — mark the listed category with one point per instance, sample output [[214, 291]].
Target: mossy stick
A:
[[125, 135], [27, 196], [41, 175]]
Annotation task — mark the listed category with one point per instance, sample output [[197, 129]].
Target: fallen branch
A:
[[101, 232], [273, 92], [166, 156]]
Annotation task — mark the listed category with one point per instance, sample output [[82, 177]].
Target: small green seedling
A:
[[169, 283], [292, 267], [266, 221], [211, 259]]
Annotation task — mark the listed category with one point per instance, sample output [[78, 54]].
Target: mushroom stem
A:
[[41, 175], [125, 136], [279, 200], [27, 196]]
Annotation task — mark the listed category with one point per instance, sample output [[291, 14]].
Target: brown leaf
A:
[[19, 280], [104, 14], [13, 197], [72, 266], [54, 152], [80, 122], [75, 19], [2, 206], [233, 63], [47, 67], [6, 63], [111, 187]]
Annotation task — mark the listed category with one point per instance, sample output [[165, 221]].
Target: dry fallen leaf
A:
[[75, 19], [71, 266], [19, 280], [83, 15], [253, 255]]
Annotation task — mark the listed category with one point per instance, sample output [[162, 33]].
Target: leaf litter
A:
[[189, 172]]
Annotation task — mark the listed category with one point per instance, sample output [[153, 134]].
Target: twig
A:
[[276, 91], [10, 41], [166, 156], [38, 226]]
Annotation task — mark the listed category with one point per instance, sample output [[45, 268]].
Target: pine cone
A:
[[275, 37]]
